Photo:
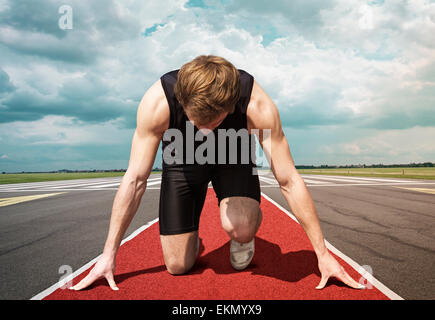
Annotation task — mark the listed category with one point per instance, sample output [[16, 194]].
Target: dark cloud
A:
[[296, 10], [304, 15], [36, 32], [317, 107], [5, 84], [401, 121], [30, 36], [84, 104], [53, 49], [43, 17], [34, 16], [303, 116]]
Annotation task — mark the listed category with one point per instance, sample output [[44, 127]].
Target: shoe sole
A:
[[241, 266]]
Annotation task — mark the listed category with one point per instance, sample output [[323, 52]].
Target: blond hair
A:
[[206, 87]]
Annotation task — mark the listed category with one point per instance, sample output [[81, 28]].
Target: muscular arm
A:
[[152, 121], [150, 126], [263, 114]]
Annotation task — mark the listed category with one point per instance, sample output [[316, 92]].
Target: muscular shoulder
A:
[[153, 111], [262, 112]]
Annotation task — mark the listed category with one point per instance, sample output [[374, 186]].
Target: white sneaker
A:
[[241, 254]]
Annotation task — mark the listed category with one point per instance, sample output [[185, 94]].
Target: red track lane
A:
[[284, 267]]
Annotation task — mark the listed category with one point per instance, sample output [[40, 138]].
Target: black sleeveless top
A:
[[180, 122]]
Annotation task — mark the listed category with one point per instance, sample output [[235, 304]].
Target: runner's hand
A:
[[104, 268], [329, 267]]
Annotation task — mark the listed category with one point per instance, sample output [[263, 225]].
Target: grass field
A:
[[406, 172], [38, 177]]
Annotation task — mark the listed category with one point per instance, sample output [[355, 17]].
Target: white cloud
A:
[[328, 72], [391, 146], [66, 131]]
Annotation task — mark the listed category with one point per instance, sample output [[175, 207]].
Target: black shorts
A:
[[184, 188]]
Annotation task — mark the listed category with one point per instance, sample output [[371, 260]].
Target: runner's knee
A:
[[179, 251], [177, 266], [242, 228]]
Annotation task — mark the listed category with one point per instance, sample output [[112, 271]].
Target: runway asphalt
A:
[[387, 224]]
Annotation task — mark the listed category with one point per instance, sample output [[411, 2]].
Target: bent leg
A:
[[240, 217], [180, 251], [182, 195]]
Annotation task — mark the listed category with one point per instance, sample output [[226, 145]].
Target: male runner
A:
[[210, 94]]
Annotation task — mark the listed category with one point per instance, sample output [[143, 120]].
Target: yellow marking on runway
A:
[[425, 190], [10, 201]]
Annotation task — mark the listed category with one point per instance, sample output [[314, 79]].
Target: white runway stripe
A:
[[379, 179], [112, 183], [153, 179], [53, 182], [80, 184], [357, 179], [104, 185], [263, 186], [65, 189], [334, 179], [369, 184], [44, 184], [95, 184], [154, 183], [149, 183], [268, 180], [314, 181]]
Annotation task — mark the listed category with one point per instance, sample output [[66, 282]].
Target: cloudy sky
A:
[[354, 80]]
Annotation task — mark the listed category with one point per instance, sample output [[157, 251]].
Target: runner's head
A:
[[208, 88]]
